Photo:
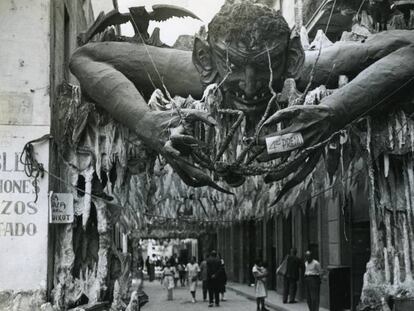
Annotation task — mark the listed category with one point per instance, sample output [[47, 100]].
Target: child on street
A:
[[260, 273]]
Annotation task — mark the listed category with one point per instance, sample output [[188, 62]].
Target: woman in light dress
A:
[[260, 274], [193, 271], [168, 279]]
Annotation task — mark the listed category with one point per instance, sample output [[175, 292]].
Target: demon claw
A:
[[192, 115], [282, 115], [185, 140], [300, 176], [192, 175], [168, 148]]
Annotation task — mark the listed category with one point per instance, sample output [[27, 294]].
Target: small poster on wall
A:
[[61, 208]]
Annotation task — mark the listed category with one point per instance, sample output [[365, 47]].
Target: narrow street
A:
[[182, 300]]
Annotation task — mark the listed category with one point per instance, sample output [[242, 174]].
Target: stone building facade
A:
[[38, 38]]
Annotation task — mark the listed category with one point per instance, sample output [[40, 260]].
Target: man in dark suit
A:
[[213, 282], [293, 265]]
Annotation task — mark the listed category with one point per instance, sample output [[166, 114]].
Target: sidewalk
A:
[[273, 300]]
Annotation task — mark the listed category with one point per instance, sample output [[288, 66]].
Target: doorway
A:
[[361, 250], [271, 252]]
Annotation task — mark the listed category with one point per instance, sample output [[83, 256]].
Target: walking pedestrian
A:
[[312, 281], [213, 269], [151, 267], [291, 277], [181, 273], [174, 260], [176, 276], [168, 279], [260, 273], [222, 279], [147, 265], [265, 272], [193, 270], [203, 277], [174, 264], [140, 262]]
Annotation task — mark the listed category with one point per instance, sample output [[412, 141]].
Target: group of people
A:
[[210, 272], [151, 263], [290, 270], [172, 272], [311, 270]]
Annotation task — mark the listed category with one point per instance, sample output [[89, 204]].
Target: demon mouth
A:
[[242, 102]]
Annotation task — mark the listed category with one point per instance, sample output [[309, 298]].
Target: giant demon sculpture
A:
[[247, 43]]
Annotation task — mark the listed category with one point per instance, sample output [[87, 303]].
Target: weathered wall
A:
[[24, 115], [38, 38], [91, 148], [72, 270], [24, 62], [69, 18]]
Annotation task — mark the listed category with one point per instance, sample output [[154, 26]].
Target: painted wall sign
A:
[[23, 223], [61, 208], [283, 143]]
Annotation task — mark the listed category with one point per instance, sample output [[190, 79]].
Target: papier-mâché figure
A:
[[244, 41]]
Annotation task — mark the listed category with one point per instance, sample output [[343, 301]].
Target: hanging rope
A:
[[32, 168]]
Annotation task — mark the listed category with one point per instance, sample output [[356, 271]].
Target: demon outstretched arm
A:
[[378, 85], [107, 78], [374, 87]]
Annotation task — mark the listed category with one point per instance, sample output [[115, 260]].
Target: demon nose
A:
[[249, 84]]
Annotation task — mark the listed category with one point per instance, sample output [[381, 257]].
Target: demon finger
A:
[[192, 115]]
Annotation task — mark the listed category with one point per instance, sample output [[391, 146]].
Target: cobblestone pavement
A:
[[182, 300]]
